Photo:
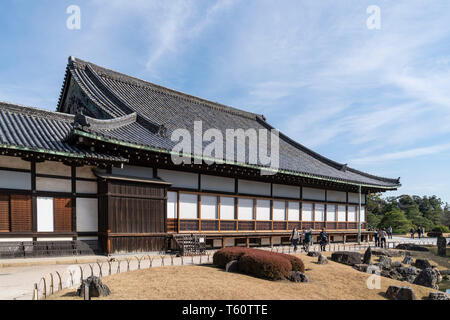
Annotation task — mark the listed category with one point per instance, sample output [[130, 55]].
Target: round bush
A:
[[265, 265], [225, 255], [297, 263]]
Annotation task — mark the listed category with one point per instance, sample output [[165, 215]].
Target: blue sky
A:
[[378, 100]]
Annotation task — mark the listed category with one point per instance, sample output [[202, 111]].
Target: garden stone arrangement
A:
[[420, 272], [260, 263], [96, 288]]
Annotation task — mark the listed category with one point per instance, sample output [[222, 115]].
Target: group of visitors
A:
[[306, 237], [381, 235], [420, 232]]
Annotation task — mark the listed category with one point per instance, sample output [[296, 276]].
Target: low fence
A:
[[71, 278]]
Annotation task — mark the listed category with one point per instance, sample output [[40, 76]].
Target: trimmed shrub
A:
[[225, 255], [265, 265], [297, 263]]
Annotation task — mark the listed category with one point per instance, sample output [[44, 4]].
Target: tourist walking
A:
[[419, 232], [294, 238], [377, 237], [412, 231], [323, 236], [383, 236], [307, 240]]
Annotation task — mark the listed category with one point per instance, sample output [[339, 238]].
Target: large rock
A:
[[367, 256], [396, 264], [439, 296], [297, 276], [384, 262], [400, 293], [408, 273], [96, 287], [313, 254], [429, 278], [232, 266], [408, 260], [411, 247], [442, 246], [322, 259], [422, 264], [346, 257], [386, 252]]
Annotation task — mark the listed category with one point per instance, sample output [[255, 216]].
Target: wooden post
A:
[[247, 242], [35, 292], [86, 293]]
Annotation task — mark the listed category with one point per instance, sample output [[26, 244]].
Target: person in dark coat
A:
[[323, 237], [295, 236], [377, 237], [412, 231]]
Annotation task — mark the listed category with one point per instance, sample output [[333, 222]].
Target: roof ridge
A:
[[36, 112], [118, 76], [336, 165]]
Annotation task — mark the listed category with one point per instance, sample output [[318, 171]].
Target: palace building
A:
[[97, 175]]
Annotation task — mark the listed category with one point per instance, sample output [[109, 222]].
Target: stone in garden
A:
[[394, 274], [313, 254], [400, 293], [445, 272], [297, 276], [408, 260], [409, 273], [422, 264], [322, 259], [232, 266], [361, 267], [373, 269], [411, 247], [396, 264], [439, 296], [442, 246], [428, 278], [346, 257], [384, 262], [96, 287], [386, 252], [367, 256]]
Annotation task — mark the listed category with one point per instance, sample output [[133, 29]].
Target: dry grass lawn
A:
[[333, 281]]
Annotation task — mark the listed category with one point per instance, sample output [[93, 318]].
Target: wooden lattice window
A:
[[4, 213], [21, 213], [63, 214]]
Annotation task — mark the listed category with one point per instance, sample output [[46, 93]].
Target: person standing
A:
[[383, 236], [307, 240], [390, 232], [377, 237], [419, 232], [294, 238], [323, 236], [412, 231]]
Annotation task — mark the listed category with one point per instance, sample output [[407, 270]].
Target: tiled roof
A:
[[119, 95], [35, 130]]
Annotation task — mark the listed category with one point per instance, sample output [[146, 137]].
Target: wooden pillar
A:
[[33, 199], [271, 241], [247, 242], [74, 199]]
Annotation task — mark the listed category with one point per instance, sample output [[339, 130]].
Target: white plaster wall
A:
[[354, 198], [54, 168], [214, 183], [226, 208], [307, 212], [171, 205], [55, 239], [87, 215], [337, 196], [293, 211], [313, 194], [254, 187], [279, 211], [45, 214], [280, 190], [209, 208], [188, 206], [56, 185], [179, 179], [263, 210], [342, 213], [15, 180], [245, 209], [86, 187], [134, 171], [331, 212], [14, 162], [15, 239]]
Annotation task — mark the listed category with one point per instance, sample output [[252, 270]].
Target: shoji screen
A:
[[331, 212], [45, 214], [171, 205], [279, 211], [246, 209], [293, 211], [319, 212], [307, 214], [188, 206], [226, 208], [209, 210], [263, 210]]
